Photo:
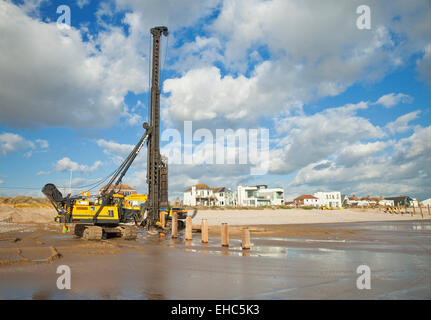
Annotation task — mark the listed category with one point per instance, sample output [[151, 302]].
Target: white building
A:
[[426, 202], [202, 195], [225, 196], [260, 195], [386, 203], [199, 195], [329, 199], [306, 200]]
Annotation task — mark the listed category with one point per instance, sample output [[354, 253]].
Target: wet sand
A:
[[304, 261]]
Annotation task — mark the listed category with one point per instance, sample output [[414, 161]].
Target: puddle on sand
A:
[[393, 225], [269, 251]]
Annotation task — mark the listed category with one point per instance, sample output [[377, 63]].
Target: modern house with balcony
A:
[[259, 195]]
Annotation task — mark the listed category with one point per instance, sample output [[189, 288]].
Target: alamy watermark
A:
[[364, 280], [64, 20], [364, 20], [64, 280], [228, 146]]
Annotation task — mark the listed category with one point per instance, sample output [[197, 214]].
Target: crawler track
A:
[[92, 233], [128, 232]]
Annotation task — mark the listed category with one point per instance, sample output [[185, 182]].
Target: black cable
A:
[[149, 79], [164, 62]]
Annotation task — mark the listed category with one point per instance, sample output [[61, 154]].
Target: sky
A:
[[347, 108]]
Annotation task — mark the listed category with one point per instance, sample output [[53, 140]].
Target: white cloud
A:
[[423, 65], [65, 164], [42, 143], [11, 142], [308, 139], [299, 27], [116, 148], [405, 169], [28, 154], [82, 3], [118, 152], [1, 181], [202, 52], [419, 143], [131, 118], [401, 124], [351, 155], [392, 99], [31, 7], [169, 13], [295, 72], [42, 173], [39, 79]]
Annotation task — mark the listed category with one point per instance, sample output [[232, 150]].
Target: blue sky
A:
[[347, 109]]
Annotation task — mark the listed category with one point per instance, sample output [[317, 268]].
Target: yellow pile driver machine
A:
[[111, 212]]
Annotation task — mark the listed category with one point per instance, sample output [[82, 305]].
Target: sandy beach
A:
[[297, 254]]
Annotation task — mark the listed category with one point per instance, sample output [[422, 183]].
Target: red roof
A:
[[119, 187], [200, 186], [305, 196]]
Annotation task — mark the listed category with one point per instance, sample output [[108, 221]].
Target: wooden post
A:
[[405, 208], [204, 230], [174, 225], [429, 212], [224, 235], [189, 228], [420, 208], [245, 239], [162, 219], [399, 210]]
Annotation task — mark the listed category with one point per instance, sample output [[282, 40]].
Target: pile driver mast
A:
[[157, 167]]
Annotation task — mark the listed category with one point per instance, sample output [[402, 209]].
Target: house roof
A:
[[203, 186], [305, 196], [120, 186], [200, 186]]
